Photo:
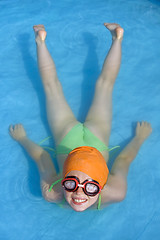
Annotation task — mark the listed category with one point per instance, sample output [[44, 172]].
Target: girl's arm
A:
[[41, 157], [117, 181]]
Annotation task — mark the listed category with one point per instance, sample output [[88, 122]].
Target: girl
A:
[[82, 151]]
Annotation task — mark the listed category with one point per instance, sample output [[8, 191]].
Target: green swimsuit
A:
[[80, 136]]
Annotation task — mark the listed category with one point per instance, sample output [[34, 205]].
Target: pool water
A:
[[78, 42]]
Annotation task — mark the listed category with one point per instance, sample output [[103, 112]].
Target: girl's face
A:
[[78, 200]]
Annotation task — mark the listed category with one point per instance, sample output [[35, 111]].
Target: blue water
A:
[[78, 42]]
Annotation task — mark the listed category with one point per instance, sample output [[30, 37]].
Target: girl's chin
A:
[[79, 206], [78, 209]]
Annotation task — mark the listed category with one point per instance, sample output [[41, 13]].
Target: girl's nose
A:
[[79, 190]]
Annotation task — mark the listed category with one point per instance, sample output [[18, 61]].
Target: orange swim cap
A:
[[89, 161]]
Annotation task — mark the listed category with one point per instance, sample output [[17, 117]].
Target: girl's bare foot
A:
[[40, 33], [115, 29]]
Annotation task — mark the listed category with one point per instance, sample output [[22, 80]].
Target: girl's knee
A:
[[104, 85]]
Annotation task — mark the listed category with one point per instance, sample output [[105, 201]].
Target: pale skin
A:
[[61, 119]]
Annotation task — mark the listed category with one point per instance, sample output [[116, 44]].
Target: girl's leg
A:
[[60, 116], [100, 114]]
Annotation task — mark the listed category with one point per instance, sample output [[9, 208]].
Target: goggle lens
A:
[[92, 188], [69, 185]]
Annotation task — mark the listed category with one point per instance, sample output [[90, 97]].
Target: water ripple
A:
[[76, 36], [23, 191]]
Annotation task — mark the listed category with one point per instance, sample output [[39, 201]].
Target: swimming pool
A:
[[78, 42]]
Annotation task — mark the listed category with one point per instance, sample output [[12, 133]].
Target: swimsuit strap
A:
[[110, 149], [45, 139], [54, 183], [99, 202], [47, 148]]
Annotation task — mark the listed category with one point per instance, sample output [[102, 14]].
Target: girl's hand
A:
[[143, 130], [17, 132]]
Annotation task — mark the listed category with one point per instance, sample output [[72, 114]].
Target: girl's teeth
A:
[[79, 200]]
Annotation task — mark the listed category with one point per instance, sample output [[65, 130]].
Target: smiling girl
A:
[[82, 148]]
